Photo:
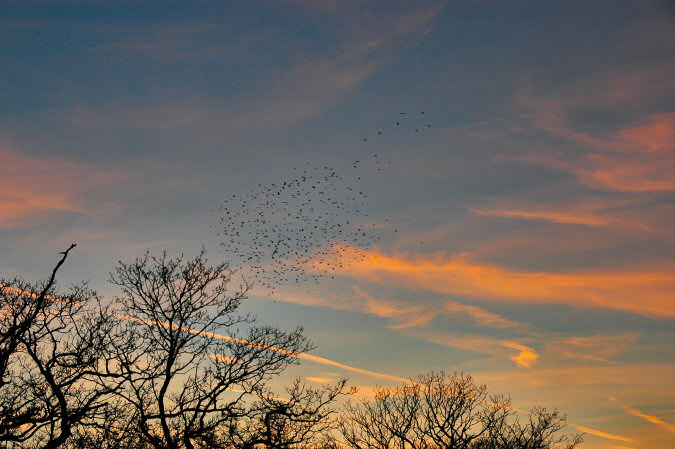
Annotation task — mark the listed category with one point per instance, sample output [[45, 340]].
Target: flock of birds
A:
[[419, 127], [297, 230]]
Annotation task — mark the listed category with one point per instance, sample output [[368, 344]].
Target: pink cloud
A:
[[635, 213], [32, 189], [554, 216], [638, 157]]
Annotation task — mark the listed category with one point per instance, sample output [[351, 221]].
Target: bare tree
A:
[[441, 411], [20, 305], [188, 386], [301, 419], [50, 349], [542, 430], [114, 428], [389, 421]]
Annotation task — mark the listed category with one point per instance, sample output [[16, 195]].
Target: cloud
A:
[[601, 434], [640, 214], [298, 355], [642, 292], [639, 158], [405, 315], [309, 86], [321, 82], [634, 154], [402, 314], [482, 317], [594, 348], [652, 419], [526, 356], [320, 380], [223, 358], [33, 189], [552, 216]]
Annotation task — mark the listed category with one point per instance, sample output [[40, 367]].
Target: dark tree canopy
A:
[[450, 412]]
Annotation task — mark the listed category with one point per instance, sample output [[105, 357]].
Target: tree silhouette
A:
[[450, 412], [50, 349], [188, 386], [171, 363]]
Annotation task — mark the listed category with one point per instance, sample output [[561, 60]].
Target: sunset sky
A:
[[525, 237]]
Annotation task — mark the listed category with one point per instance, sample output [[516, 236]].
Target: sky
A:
[[522, 225]]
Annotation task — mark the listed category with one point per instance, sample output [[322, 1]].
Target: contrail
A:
[[299, 355], [601, 434]]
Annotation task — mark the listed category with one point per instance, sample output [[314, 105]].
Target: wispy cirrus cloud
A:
[[303, 88], [553, 216], [400, 313], [638, 158], [632, 154], [598, 433], [481, 317], [643, 292], [643, 215], [33, 189], [500, 349], [593, 348], [650, 418], [320, 380]]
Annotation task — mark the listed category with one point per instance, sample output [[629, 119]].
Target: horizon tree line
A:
[[147, 370]]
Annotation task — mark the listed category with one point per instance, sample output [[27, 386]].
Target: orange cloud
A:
[[643, 292], [404, 314], [545, 215], [320, 380], [598, 433], [526, 356], [651, 419], [32, 188], [222, 358]]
